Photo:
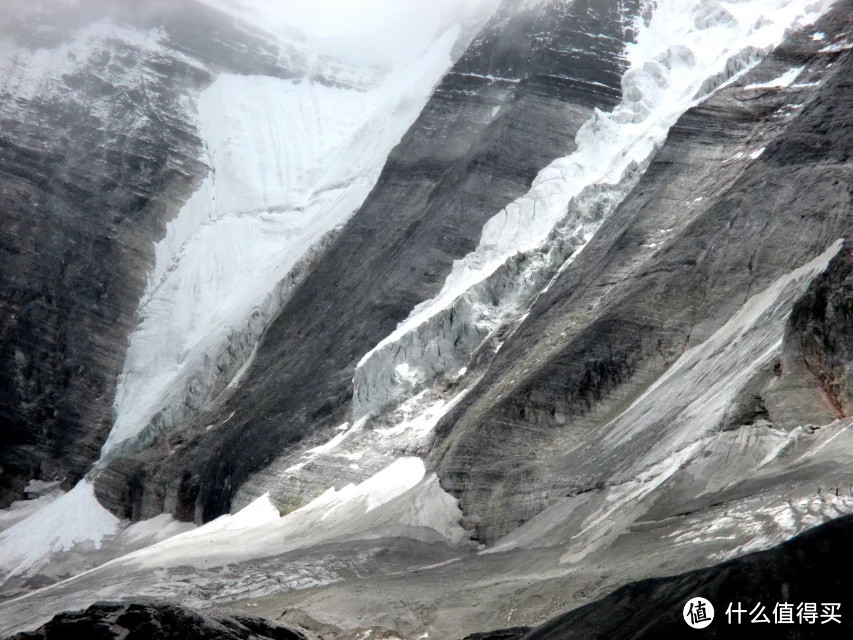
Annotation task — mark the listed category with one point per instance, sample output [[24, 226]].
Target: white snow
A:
[[785, 80], [690, 399], [153, 530], [372, 441], [687, 49], [21, 509], [397, 500], [765, 522], [74, 518], [368, 32], [290, 161], [836, 47], [315, 452]]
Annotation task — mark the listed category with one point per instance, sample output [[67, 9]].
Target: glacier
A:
[[686, 51], [290, 161]]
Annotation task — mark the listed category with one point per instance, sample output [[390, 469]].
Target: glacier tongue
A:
[[290, 161], [686, 50]]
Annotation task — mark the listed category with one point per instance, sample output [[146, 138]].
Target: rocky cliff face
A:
[[99, 151], [751, 184], [152, 619]]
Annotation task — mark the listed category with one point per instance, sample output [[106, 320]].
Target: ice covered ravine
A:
[[289, 161], [685, 51]]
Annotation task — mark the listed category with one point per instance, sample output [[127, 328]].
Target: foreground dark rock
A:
[[808, 568], [149, 620]]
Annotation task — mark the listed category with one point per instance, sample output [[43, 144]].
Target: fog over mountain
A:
[[394, 319]]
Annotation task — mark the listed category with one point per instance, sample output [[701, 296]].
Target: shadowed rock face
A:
[[819, 347], [707, 227], [95, 157], [154, 619], [511, 104], [804, 569]]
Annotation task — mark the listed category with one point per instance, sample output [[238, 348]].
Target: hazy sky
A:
[[371, 31]]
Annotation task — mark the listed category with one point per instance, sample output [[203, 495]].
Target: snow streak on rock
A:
[[674, 424], [687, 50], [290, 161]]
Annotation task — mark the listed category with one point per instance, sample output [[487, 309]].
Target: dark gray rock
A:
[[510, 105], [625, 311], [156, 620], [513, 633], [815, 375], [91, 169]]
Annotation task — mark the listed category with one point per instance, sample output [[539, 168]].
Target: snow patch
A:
[[398, 500], [331, 445], [783, 81], [75, 518]]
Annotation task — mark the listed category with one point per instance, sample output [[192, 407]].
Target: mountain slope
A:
[[100, 149], [803, 569], [751, 184], [469, 153], [590, 325]]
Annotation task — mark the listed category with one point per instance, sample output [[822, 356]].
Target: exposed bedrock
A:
[[815, 384], [511, 104], [98, 150], [750, 185]]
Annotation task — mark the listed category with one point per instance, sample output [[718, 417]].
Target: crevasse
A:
[[682, 53]]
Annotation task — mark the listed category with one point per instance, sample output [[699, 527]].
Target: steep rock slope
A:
[[751, 184], [283, 162], [508, 107], [99, 150], [614, 457]]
